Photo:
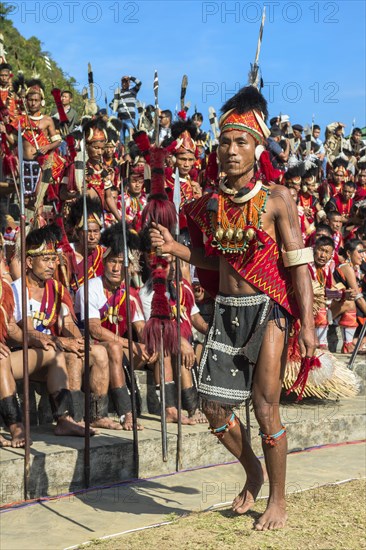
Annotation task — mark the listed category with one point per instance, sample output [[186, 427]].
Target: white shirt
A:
[[97, 299], [33, 307]]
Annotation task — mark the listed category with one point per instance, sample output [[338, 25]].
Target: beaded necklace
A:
[[234, 226]]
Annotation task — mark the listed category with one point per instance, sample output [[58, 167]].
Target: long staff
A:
[[129, 329], [176, 198], [25, 319], [86, 329]]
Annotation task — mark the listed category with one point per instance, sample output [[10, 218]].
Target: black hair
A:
[[316, 127], [324, 227], [112, 238], [351, 245], [197, 116], [47, 234], [350, 184], [168, 113], [324, 241], [93, 206], [356, 131], [67, 92], [332, 214]]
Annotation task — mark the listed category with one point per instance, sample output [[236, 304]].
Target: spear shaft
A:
[[176, 199], [25, 320], [86, 329], [129, 330]]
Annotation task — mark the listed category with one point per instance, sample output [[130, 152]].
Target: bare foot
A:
[[17, 435], [172, 417], [247, 497], [67, 426], [198, 416], [4, 442], [127, 424], [106, 423], [274, 517]]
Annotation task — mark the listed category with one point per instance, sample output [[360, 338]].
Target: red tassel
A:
[[143, 143], [159, 211], [270, 173], [182, 115], [212, 168], [160, 314], [307, 364], [60, 108]]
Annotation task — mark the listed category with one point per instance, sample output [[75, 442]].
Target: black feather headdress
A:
[[112, 239], [93, 208]]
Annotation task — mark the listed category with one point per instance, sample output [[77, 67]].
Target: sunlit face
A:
[[184, 162], [316, 133], [34, 103], [4, 78], [362, 178], [322, 255], [338, 177], [293, 193], [95, 150], [109, 150], [357, 255], [335, 223], [93, 235], [113, 269], [347, 193], [43, 267], [66, 99], [236, 152], [136, 184], [311, 186]]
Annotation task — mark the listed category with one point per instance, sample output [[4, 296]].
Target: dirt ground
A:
[[325, 518]]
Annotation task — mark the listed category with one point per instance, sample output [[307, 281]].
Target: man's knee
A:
[[115, 351], [266, 406], [217, 414], [98, 356]]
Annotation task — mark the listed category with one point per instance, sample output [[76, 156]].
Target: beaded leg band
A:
[[220, 432], [272, 440]]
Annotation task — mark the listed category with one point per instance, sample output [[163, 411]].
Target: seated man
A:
[[51, 318], [343, 202], [43, 361], [108, 318], [95, 250]]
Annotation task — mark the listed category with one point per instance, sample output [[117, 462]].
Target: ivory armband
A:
[[56, 137], [300, 256]]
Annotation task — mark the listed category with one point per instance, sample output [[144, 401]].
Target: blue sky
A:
[[312, 58]]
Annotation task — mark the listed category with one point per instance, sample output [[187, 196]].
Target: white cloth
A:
[[33, 307], [97, 299]]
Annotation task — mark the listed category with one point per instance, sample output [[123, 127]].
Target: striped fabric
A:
[[125, 100]]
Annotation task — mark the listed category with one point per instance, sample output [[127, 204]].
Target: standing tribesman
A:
[[248, 233], [7, 95], [183, 146], [108, 315], [40, 139], [99, 178]]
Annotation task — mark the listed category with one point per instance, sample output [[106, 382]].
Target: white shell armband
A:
[[55, 138], [300, 256]]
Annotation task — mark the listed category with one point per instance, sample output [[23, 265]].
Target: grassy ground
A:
[[325, 518]]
